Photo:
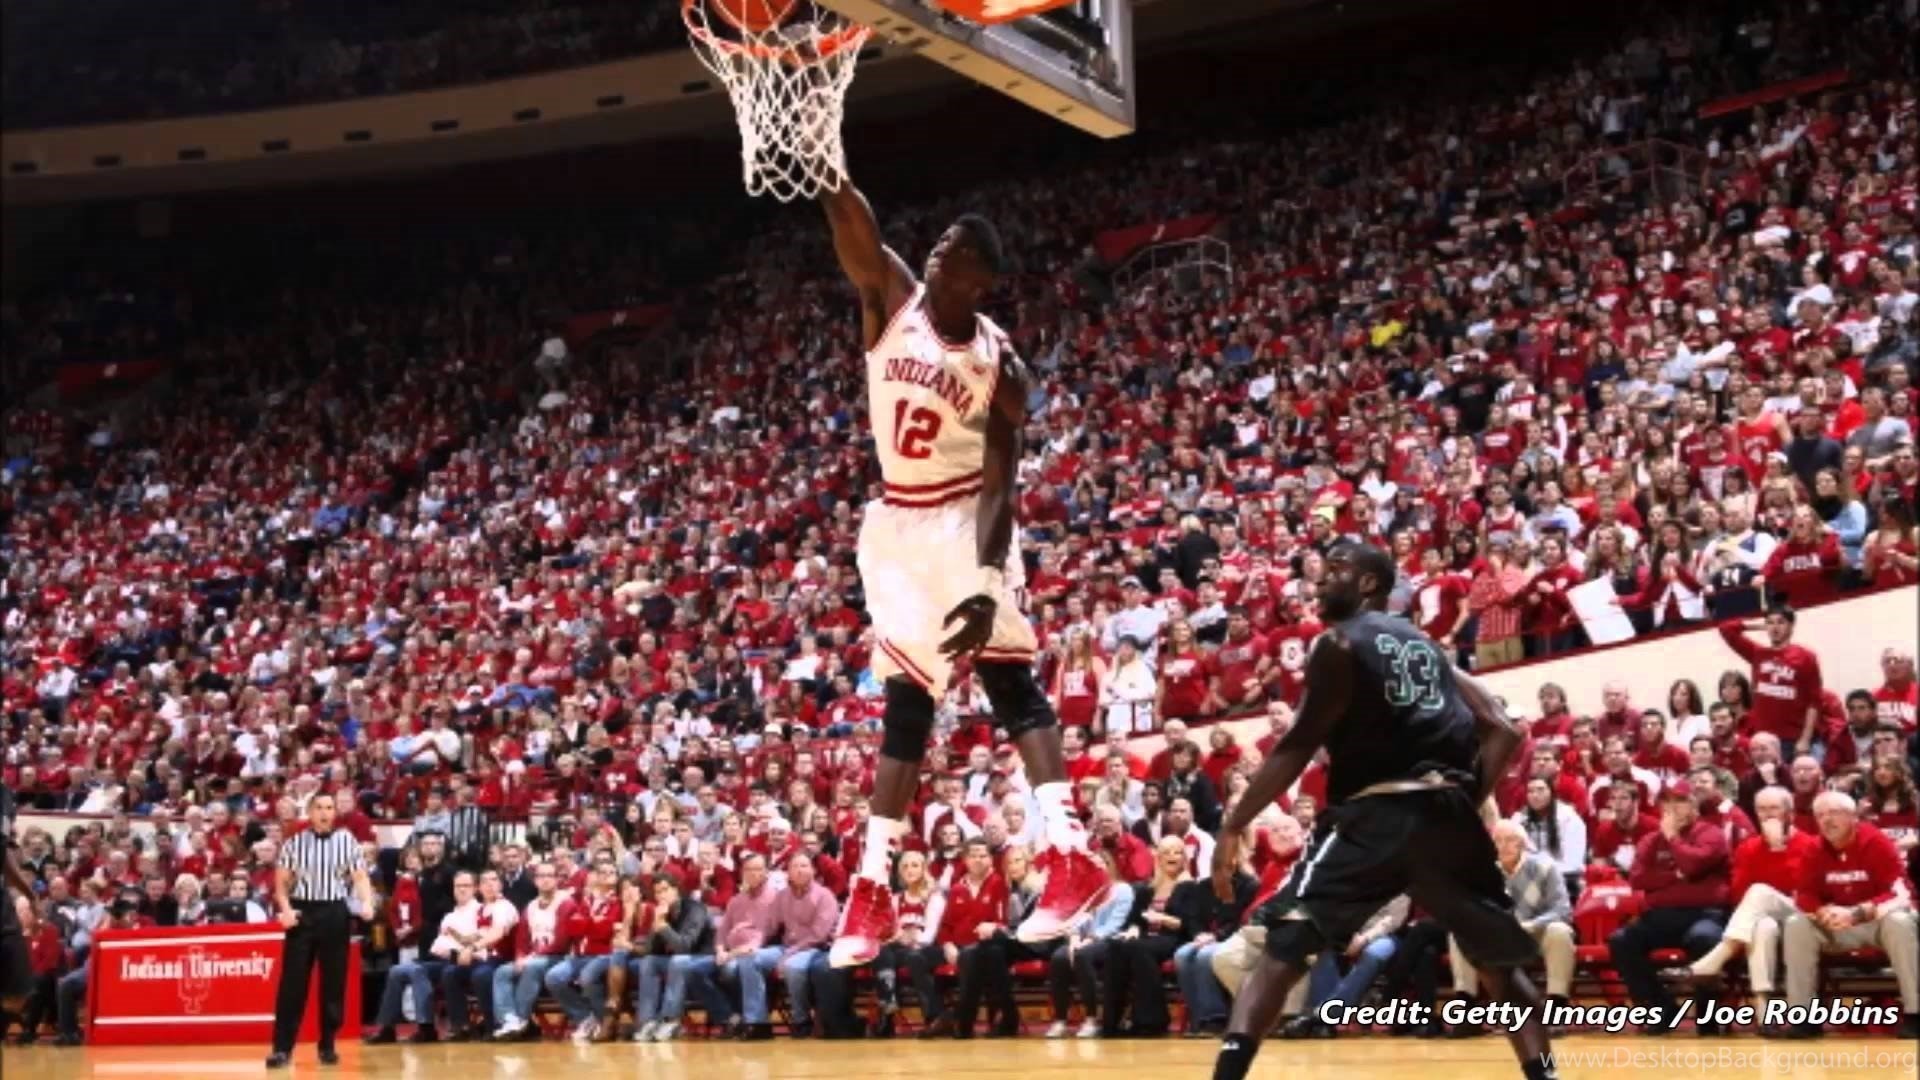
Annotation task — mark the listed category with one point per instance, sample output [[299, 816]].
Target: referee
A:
[[317, 868]]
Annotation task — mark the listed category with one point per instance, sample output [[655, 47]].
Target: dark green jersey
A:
[[1405, 718]]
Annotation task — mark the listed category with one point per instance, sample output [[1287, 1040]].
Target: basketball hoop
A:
[[788, 81]]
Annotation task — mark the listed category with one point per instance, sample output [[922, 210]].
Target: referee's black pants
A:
[[321, 936]]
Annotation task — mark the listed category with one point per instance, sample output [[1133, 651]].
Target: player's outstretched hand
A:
[[975, 616], [1226, 860]]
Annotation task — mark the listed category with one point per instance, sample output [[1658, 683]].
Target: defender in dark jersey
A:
[[16, 968], [1414, 747]]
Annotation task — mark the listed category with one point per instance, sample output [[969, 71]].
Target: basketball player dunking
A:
[[1414, 748], [948, 398]]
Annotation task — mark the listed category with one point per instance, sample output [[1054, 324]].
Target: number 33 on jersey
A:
[[929, 400]]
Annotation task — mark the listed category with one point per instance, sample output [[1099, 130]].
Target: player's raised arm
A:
[[881, 277], [1329, 679], [1498, 738]]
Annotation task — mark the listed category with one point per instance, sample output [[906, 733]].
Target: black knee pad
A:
[[1295, 941], [907, 722], [1019, 705]]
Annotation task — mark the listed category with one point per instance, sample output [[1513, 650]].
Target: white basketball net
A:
[[788, 84]]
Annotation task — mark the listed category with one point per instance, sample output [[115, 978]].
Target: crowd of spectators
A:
[[126, 61], [590, 616]]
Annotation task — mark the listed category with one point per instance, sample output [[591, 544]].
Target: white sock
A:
[[1064, 830], [876, 858]]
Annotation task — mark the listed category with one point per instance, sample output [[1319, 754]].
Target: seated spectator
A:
[[806, 913], [1555, 830], [1890, 801], [919, 906], [1895, 698], [1123, 792], [71, 989], [478, 957], [1129, 852], [1728, 744], [1681, 868], [1765, 769], [1412, 973], [976, 902], [1214, 921], [1186, 781], [457, 931], [1853, 742], [1619, 828], [681, 930], [578, 983], [1715, 808], [1082, 956], [1345, 976], [542, 939], [1617, 759], [742, 955], [1766, 871], [1653, 751], [985, 966], [1805, 781], [1851, 895], [47, 953], [1540, 903], [1162, 908]]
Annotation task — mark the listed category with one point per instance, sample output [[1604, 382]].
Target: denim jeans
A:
[[457, 983], [703, 984], [793, 972], [1325, 983], [514, 992], [662, 982], [710, 979], [579, 984], [1193, 969], [420, 975], [68, 993]]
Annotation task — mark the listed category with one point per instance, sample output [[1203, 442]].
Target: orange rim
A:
[[826, 46]]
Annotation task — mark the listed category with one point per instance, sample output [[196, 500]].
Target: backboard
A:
[[1074, 62]]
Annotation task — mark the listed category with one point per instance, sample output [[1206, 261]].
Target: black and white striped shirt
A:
[[322, 866]]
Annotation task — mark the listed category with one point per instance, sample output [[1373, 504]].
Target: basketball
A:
[[753, 16]]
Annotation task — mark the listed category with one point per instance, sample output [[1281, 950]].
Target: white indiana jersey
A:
[[929, 400]]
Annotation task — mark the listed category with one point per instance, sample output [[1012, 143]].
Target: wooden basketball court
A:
[[1348, 1058]]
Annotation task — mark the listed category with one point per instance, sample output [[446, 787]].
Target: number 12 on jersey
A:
[[914, 429]]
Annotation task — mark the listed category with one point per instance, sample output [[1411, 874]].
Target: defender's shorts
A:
[[1430, 845]]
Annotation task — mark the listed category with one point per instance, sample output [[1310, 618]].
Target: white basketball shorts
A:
[[916, 565]]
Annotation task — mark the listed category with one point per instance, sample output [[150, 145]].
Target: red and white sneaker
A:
[[868, 921], [1076, 884]]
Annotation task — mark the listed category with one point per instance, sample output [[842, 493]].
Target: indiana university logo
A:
[[195, 987]]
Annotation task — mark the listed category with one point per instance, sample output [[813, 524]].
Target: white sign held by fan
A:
[[1598, 608]]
